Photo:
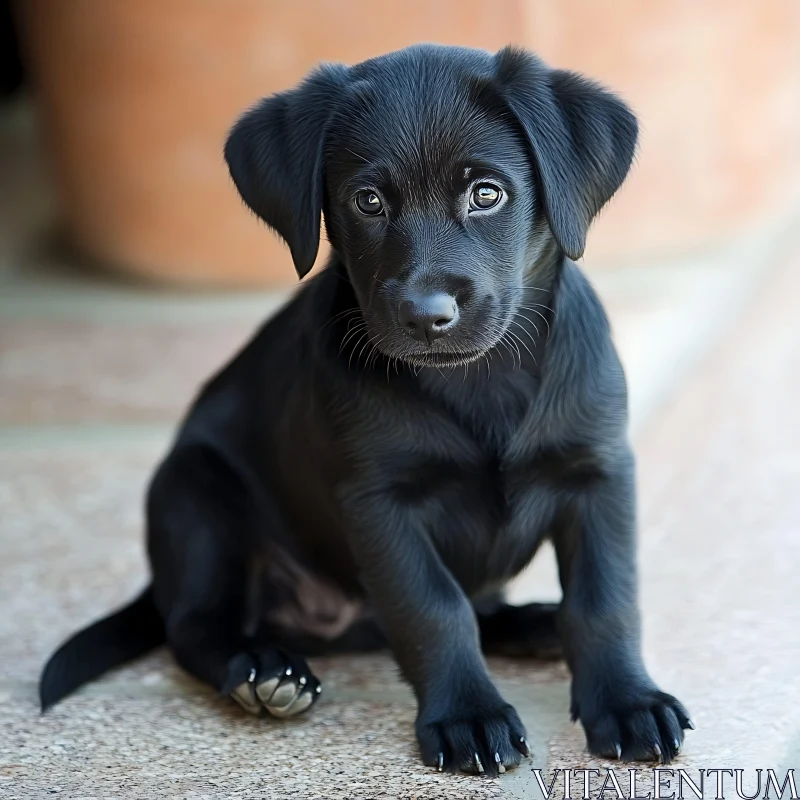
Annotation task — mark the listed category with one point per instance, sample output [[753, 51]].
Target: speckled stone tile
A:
[[719, 558], [71, 541], [57, 372], [144, 748], [72, 551]]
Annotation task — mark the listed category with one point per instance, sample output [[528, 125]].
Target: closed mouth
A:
[[438, 359]]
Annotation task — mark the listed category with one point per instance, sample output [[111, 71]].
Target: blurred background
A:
[[130, 270], [133, 100]]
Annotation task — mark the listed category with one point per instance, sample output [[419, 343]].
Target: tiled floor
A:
[[88, 402], [93, 377]]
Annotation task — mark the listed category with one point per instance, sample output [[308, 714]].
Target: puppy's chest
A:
[[488, 520], [498, 459], [511, 450], [501, 484]]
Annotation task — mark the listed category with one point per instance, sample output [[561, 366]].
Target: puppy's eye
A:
[[369, 203], [484, 195]]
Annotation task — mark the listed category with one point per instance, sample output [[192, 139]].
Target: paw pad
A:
[[271, 682]]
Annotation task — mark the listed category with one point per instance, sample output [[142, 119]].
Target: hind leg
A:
[[528, 631], [521, 631], [267, 679], [200, 516]]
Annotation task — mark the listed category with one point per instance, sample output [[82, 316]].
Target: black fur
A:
[[130, 632], [343, 484]]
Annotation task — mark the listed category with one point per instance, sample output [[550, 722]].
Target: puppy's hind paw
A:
[[269, 680]]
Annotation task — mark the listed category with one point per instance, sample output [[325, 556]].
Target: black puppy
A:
[[395, 445]]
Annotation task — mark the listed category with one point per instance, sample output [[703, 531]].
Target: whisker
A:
[[350, 360], [543, 317], [373, 358], [502, 358], [508, 346], [495, 332], [342, 314], [527, 332], [377, 352], [366, 161], [488, 368], [511, 333], [368, 342], [350, 334], [541, 305]]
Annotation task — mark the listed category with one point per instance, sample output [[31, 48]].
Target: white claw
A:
[[288, 671], [252, 676], [656, 751], [318, 690], [478, 764], [440, 762], [500, 768], [303, 681]]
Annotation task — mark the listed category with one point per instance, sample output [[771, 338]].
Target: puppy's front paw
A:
[[271, 681], [635, 724], [471, 737]]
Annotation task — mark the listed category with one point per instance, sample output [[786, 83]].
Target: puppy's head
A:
[[443, 175]]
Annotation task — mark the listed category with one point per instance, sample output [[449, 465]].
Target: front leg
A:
[[623, 712], [463, 723]]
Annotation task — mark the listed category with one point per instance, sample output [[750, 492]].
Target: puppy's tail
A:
[[130, 632]]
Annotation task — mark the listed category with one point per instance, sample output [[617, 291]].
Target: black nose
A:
[[428, 317]]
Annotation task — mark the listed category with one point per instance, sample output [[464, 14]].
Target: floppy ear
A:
[[275, 157], [583, 139]]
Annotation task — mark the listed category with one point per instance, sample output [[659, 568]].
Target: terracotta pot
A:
[[137, 97]]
